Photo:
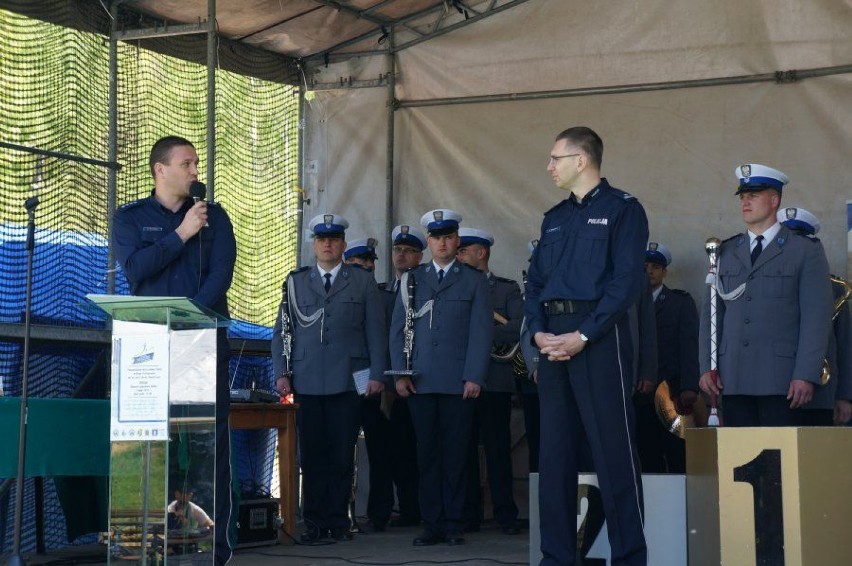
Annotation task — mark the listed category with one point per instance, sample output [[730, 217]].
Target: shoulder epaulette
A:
[[555, 206], [680, 292], [472, 267], [505, 279], [359, 266], [300, 269], [810, 237], [622, 195], [129, 205], [732, 237]]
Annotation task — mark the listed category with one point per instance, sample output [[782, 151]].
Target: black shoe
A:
[[313, 534], [510, 529], [454, 538], [472, 528], [427, 538], [341, 533]]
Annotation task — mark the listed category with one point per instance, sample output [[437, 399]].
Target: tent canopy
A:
[[681, 93]]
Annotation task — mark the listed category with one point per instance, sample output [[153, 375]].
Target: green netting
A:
[[54, 95], [54, 85]]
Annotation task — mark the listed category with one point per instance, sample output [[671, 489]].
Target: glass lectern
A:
[[162, 429]]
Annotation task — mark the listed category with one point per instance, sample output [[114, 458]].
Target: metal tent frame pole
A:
[[774, 77], [389, 179]]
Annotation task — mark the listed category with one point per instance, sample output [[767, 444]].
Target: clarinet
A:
[[286, 331], [408, 331]]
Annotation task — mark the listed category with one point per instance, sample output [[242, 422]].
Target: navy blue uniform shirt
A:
[[589, 250], [158, 264]]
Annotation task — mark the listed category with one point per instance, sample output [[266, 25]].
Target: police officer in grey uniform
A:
[[453, 331], [407, 252], [832, 401], [494, 406], [338, 330], [376, 426], [774, 312], [677, 344]]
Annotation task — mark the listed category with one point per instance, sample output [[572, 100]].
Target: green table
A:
[[65, 437]]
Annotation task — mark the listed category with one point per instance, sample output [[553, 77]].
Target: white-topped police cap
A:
[[362, 247], [470, 236], [799, 219], [757, 177], [658, 253], [532, 245], [328, 224], [441, 221], [407, 235]]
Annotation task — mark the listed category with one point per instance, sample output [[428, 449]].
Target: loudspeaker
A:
[[257, 523]]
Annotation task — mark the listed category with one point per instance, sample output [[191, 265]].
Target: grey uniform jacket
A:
[[452, 343], [350, 336], [505, 299], [777, 330]]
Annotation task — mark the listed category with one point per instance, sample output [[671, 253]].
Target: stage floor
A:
[[489, 546]]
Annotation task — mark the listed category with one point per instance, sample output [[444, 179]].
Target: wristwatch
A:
[[583, 337]]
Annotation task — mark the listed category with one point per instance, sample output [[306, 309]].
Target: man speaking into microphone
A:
[[174, 244]]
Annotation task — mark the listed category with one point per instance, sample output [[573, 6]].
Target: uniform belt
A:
[[560, 306]]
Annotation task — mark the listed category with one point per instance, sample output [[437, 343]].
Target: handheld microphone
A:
[[198, 191]]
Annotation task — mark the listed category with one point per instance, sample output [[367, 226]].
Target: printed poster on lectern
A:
[[140, 385]]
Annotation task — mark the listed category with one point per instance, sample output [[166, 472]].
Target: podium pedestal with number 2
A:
[[769, 496]]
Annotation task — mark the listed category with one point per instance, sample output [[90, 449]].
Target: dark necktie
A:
[[327, 282], [440, 275], [755, 253]]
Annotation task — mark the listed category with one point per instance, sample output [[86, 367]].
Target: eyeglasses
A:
[[554, 158], [405, 251]]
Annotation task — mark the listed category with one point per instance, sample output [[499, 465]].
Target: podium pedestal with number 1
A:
[[769, 496]]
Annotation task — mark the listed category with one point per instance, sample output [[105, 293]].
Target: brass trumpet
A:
[[506, 352], [825, 375], [511, 352]]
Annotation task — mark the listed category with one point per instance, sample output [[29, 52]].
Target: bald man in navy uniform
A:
[[585, 274], [832, 401], [452, 344], [170, 246], [494, 406], [774, 311], [338, 329]]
